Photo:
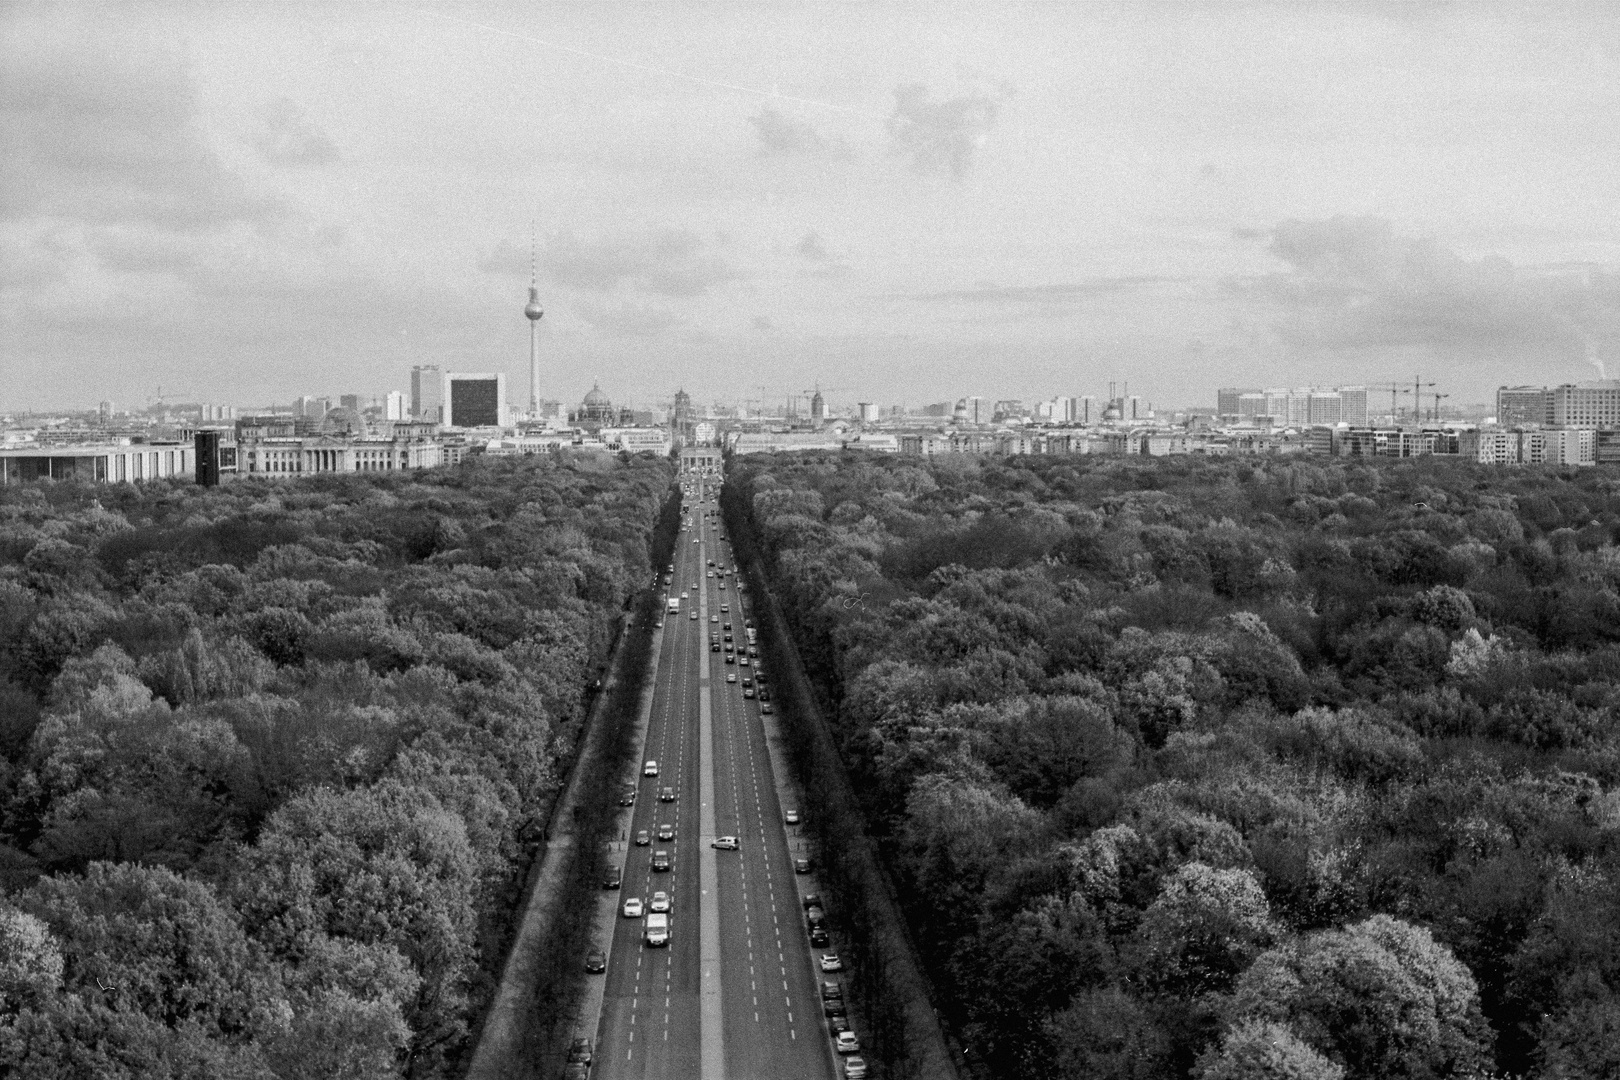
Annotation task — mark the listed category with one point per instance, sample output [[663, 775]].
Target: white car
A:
[[725, 843], [650, 769], [694, 616], [854, 1068], [830, 962], [660, 902], [632, 908], [846, 1043]]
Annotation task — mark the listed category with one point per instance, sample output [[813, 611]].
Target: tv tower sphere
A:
[[532, 309]]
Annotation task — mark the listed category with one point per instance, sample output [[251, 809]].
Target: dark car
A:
[[764, 694], [580, 1051], [813, 900], [714, 646], [804, 865], [834, 1007], [832, 989], [666, 832], [628, 798], [576, 1070], [730, 658], [820, 938], [835, 1024], [660, 860], [667, 795], [611, 878], [596, 961]]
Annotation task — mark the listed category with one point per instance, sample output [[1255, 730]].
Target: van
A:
[[657, 930]]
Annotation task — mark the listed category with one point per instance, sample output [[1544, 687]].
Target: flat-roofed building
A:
[[123, 463]]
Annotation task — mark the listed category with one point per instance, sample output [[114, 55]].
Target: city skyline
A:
[[1003, 201]]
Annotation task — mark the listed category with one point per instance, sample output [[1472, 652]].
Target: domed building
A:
[[343, 420]]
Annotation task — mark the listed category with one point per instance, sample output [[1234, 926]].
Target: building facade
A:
[[98, 464]]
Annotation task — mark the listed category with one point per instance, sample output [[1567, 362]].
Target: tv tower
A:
[[533, 312]]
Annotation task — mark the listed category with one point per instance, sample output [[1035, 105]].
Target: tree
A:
[[1261, 1050], [1206, 926], [1382, 997]]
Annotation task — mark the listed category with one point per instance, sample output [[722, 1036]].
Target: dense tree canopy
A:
[[1211, 768], [275, 754]]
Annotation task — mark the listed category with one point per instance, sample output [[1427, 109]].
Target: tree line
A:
[[273, 757], [1213, 768]]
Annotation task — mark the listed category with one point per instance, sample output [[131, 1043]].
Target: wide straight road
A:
[[744, 940]]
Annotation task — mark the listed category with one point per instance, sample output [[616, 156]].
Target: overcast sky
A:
[[907, 203]]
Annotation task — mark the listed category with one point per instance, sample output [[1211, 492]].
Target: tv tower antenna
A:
[[532, 312]]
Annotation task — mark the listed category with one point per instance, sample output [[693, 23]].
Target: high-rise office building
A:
[[1524, 406], [1227, 401], [349, 401], [394, 406], [1590, 405], [427, 393], [474, 400]]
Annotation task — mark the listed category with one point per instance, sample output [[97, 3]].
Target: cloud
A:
[[1353, 284], [781, 135], [940, 136], [810, 247], [629, 320], [101, 129], [665, 262], [1002, 294], [287, 138]]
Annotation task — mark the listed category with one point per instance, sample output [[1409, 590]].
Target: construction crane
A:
[[1437, 399], [1395, 390], [1417, 397]]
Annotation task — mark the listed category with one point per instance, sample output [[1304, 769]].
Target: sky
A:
[[898, 203]]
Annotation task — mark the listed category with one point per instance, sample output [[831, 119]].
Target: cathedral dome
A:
[[596, 397]]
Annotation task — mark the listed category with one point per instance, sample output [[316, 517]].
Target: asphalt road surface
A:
[[733, 996]]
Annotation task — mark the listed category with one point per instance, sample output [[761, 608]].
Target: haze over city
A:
[[917, 202]]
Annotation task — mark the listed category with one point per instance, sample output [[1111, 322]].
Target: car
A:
[[722, 586], [830, 962], [835, 1024], [579, 1052], [753, 650], [694, 539], [812, 900], [725, 608], [666, 795], [820, 938], [803, 865], [759, 677], [854, 1068], [576, 1070], [711, 562], [725, 627], [765, 707], [660, 902], [696, 586], [666, 832], [694, 616], [627, 798], [743, 660], [708, 573], [660, 860], [714, 618], [659, 624], [731, 658], [671, 568], [834, 1007], [595, 962], [791, 817], [725, 843], [643, 838], [728, 638], [634, 908], [730, 647], [747, 682], [611, 878], [714, 646], [731, 676], [649, 769], [764, 694], [846, 1042], [832, 989], [747, 693]]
